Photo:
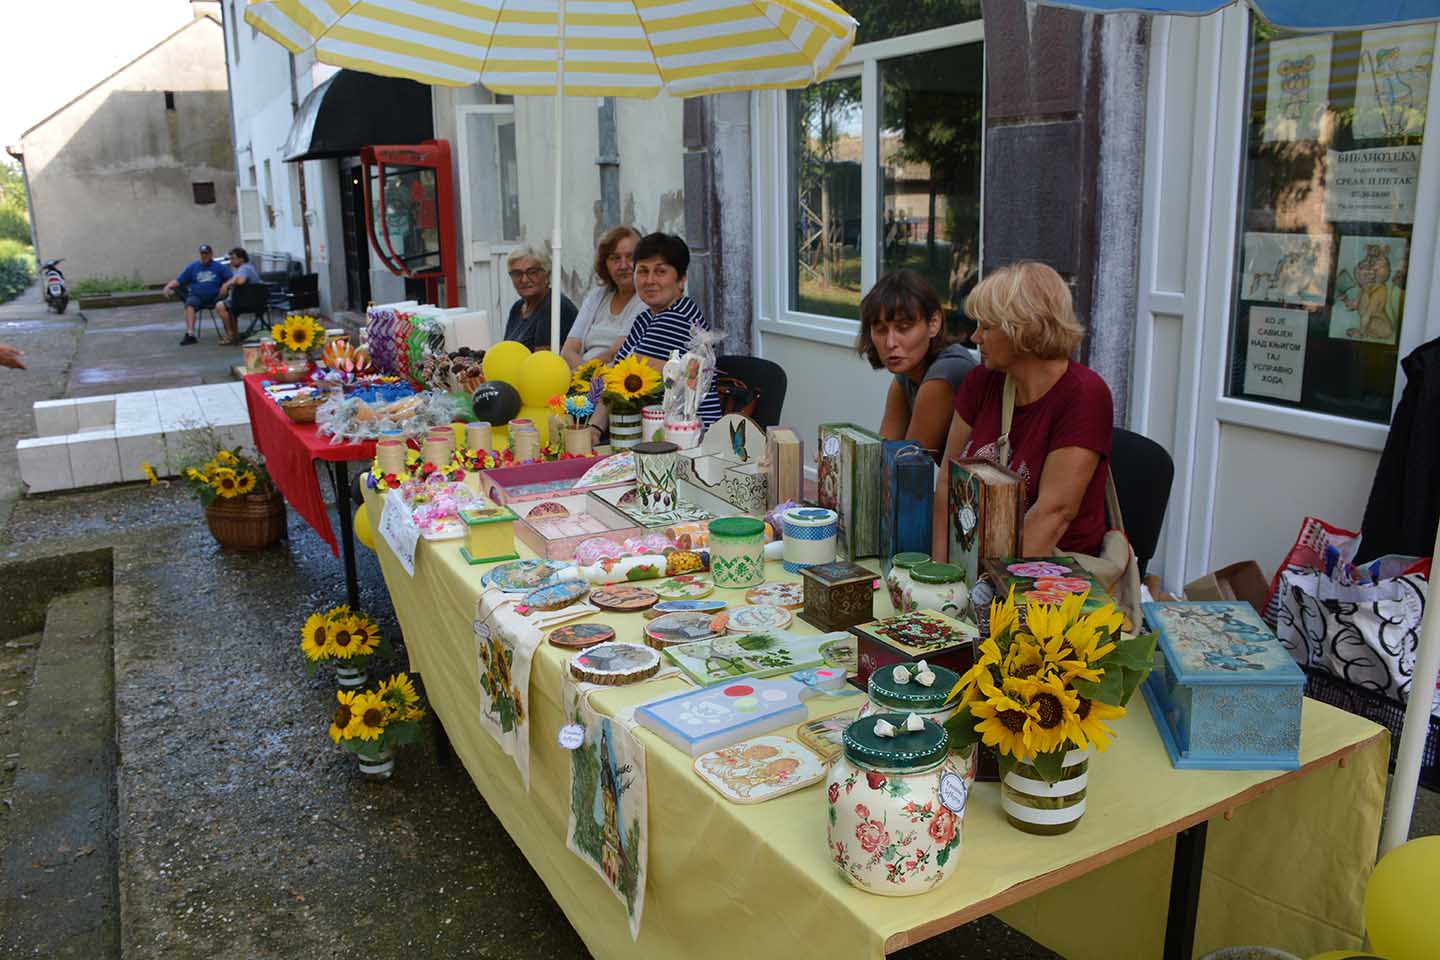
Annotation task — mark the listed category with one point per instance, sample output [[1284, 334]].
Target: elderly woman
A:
[[902, 329], [609, 310], [1057, 413], [529, 321]]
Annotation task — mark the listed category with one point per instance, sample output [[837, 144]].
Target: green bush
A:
[[17, 268], [90, 286]]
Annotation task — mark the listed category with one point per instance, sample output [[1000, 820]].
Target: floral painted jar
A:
[[898, 578], [655, 486], [737, 552], [939, 587], [896, 806], [903, 694]]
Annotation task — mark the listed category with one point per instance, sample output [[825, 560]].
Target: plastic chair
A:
[[180, 294], [1143, 474], [765, 377], [254, 299]]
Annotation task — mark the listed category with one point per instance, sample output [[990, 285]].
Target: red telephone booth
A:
[[410, 215]]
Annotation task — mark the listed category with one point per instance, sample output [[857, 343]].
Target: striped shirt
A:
[[656, 334]]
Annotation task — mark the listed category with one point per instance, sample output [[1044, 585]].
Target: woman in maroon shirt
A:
[[1061, 427]]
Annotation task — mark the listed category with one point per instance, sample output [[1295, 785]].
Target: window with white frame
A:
[[875, 169]]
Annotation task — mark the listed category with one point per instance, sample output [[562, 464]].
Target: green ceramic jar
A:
[[737, 552]]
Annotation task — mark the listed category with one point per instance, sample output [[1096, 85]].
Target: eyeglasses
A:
[[534, 273]]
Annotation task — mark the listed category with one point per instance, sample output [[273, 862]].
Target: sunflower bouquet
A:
[[1041, 688], [631, 384], [228, 474], [300, 333], [371, 721], [348, 637]]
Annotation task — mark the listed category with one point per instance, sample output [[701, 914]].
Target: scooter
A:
[[57, 295]]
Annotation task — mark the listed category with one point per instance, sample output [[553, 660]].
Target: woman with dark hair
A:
[[609, 310], [902, 329]]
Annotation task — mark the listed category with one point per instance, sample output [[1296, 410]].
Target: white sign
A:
[[1275, 354], [953, 793], [1372, 186], [398, 528], [572, 736]]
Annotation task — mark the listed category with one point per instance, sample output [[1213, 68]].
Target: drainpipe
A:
[[29, 201], [304, 208], [608, 161]]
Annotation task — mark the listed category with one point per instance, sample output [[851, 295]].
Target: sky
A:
[[58, 49]]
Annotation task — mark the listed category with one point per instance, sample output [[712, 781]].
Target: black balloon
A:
[[496, 402]]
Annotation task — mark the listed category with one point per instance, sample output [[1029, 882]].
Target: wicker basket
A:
[[302, 411], [251, 522]]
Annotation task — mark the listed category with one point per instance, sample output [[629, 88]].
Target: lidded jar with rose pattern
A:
[[896, 805]]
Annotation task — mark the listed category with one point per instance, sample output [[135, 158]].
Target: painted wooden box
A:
[[1224, 693], [1047, 580], [838, 595], [489, 534], [848, 482], [727, 472], [907, 493], [542, 481], [623, 499], [923, 635], [555, 526]]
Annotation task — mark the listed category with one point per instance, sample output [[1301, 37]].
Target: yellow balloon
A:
[[503, 362], [1399, 918], [363, 532], [542, 376], [540, 416]]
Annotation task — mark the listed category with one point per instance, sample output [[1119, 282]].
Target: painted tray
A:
[[676, 628], [708, 718], [758, 619], [615, 664], [759, 769], [683, 588], [522, 576], [541, 481], [789, 595], [719, 659]]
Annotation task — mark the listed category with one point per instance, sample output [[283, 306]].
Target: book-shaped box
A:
[[838, 595], [785, 461], [848, 482], [987, 510], [907, 495], [542, 481], [1224, 693], [554, 527], [922, 635], [1046, 580], [623, 499], [727, 472]]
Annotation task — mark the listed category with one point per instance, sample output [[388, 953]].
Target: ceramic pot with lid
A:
[[898, 578], [939, 587], [904, 694], [737, 552]]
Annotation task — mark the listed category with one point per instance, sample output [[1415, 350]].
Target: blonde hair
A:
[[1030, 304]]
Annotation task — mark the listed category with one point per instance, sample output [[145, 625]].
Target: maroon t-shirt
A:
[[1076, 412]]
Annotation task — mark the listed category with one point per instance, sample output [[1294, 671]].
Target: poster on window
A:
[[1275, 353], [1286, 268], [1392, 90], [1372, 186], [1369, 289], [1298, 88]]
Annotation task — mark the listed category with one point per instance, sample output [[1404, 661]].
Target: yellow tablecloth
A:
[[1289, 869]]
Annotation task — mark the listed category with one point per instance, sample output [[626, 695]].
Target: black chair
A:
[[254, 299], [1143, 473], [765, 378], [182, 292], [305, 291]]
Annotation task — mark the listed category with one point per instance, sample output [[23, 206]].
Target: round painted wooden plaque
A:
[[684, 588], [614, 664], [556, 596], [791, 596], [623, 599], [578, 636]]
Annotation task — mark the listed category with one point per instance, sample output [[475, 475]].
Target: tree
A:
[[14, 209]]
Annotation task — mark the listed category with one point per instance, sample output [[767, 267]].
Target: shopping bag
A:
[[1318, 547]]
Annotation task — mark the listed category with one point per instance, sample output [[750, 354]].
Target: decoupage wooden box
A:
[[727, 472], [489, 533], [555, 526], [922, 635], [848, 482], [838, 595], [1224, 693], [907, 494], [1047, 580], [542, 481]]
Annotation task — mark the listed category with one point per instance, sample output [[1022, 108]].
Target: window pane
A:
[[931, 130], [825, 156], [883, 19], [1328, 207]]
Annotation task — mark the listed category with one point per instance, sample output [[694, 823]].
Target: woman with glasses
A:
[[529, 321], [609, 310]]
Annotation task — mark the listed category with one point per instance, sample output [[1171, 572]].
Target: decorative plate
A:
[[676, 628], [623, 599], [614, 664], [758, 619], [684, 588], [686, 606], [578, 636], [791, 596], [556, 595], [522, 576], [759, 769]]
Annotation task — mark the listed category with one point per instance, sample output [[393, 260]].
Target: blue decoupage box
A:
[[1224, 692]]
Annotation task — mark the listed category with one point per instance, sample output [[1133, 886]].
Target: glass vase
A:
[[1046, 809]]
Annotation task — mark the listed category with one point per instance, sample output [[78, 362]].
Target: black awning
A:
[[353, 110]]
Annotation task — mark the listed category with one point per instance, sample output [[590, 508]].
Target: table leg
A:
[[340, 473], [444, 752], [1185, 893]]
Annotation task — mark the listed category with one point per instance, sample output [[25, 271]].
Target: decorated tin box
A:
[[541, 481], [1224, 693], [922, 635], [907, 494], [838, 595], [489, 534], [554, 527]]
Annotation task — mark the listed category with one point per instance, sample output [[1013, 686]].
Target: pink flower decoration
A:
[[872, 835], [1044, 596], [862, 811], [1038, 568], [942, 828], [1062, 584]]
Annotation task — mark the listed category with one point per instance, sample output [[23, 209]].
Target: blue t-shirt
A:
[[204, 279], [656, 334]]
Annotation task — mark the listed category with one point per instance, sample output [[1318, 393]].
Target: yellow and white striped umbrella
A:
[[626, 48]]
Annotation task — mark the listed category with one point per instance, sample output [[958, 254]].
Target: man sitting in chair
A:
[[202, 280], [242, 273]]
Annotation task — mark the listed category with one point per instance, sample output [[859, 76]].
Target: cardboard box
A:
[[1238, 581]]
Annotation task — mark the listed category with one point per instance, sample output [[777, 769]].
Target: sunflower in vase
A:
[[227, 475], [631, 384], [372, 723], [349, 638], [299, 333]]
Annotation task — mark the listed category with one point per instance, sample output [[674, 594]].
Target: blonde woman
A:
[[1060, 416], [608, 312], [529, 320]]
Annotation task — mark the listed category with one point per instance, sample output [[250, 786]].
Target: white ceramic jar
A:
[[939, 587], [898, 577]]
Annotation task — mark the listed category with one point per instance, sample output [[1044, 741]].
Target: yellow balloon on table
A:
[[504, 360], [542, 376], [362, 526], [1400, 918]]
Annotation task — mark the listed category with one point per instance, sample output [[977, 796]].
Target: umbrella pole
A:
[[1417, 726], [556, 266]]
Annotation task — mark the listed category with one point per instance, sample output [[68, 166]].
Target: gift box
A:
[[489, 534], [541, 481], [1225, 694], [838, 595], [553, 528], [922, 635]]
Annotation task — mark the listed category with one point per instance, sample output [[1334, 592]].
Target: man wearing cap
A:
[[241, 273], [202, 278]]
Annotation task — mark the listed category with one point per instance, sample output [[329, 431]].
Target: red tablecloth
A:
[[290, 450]]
